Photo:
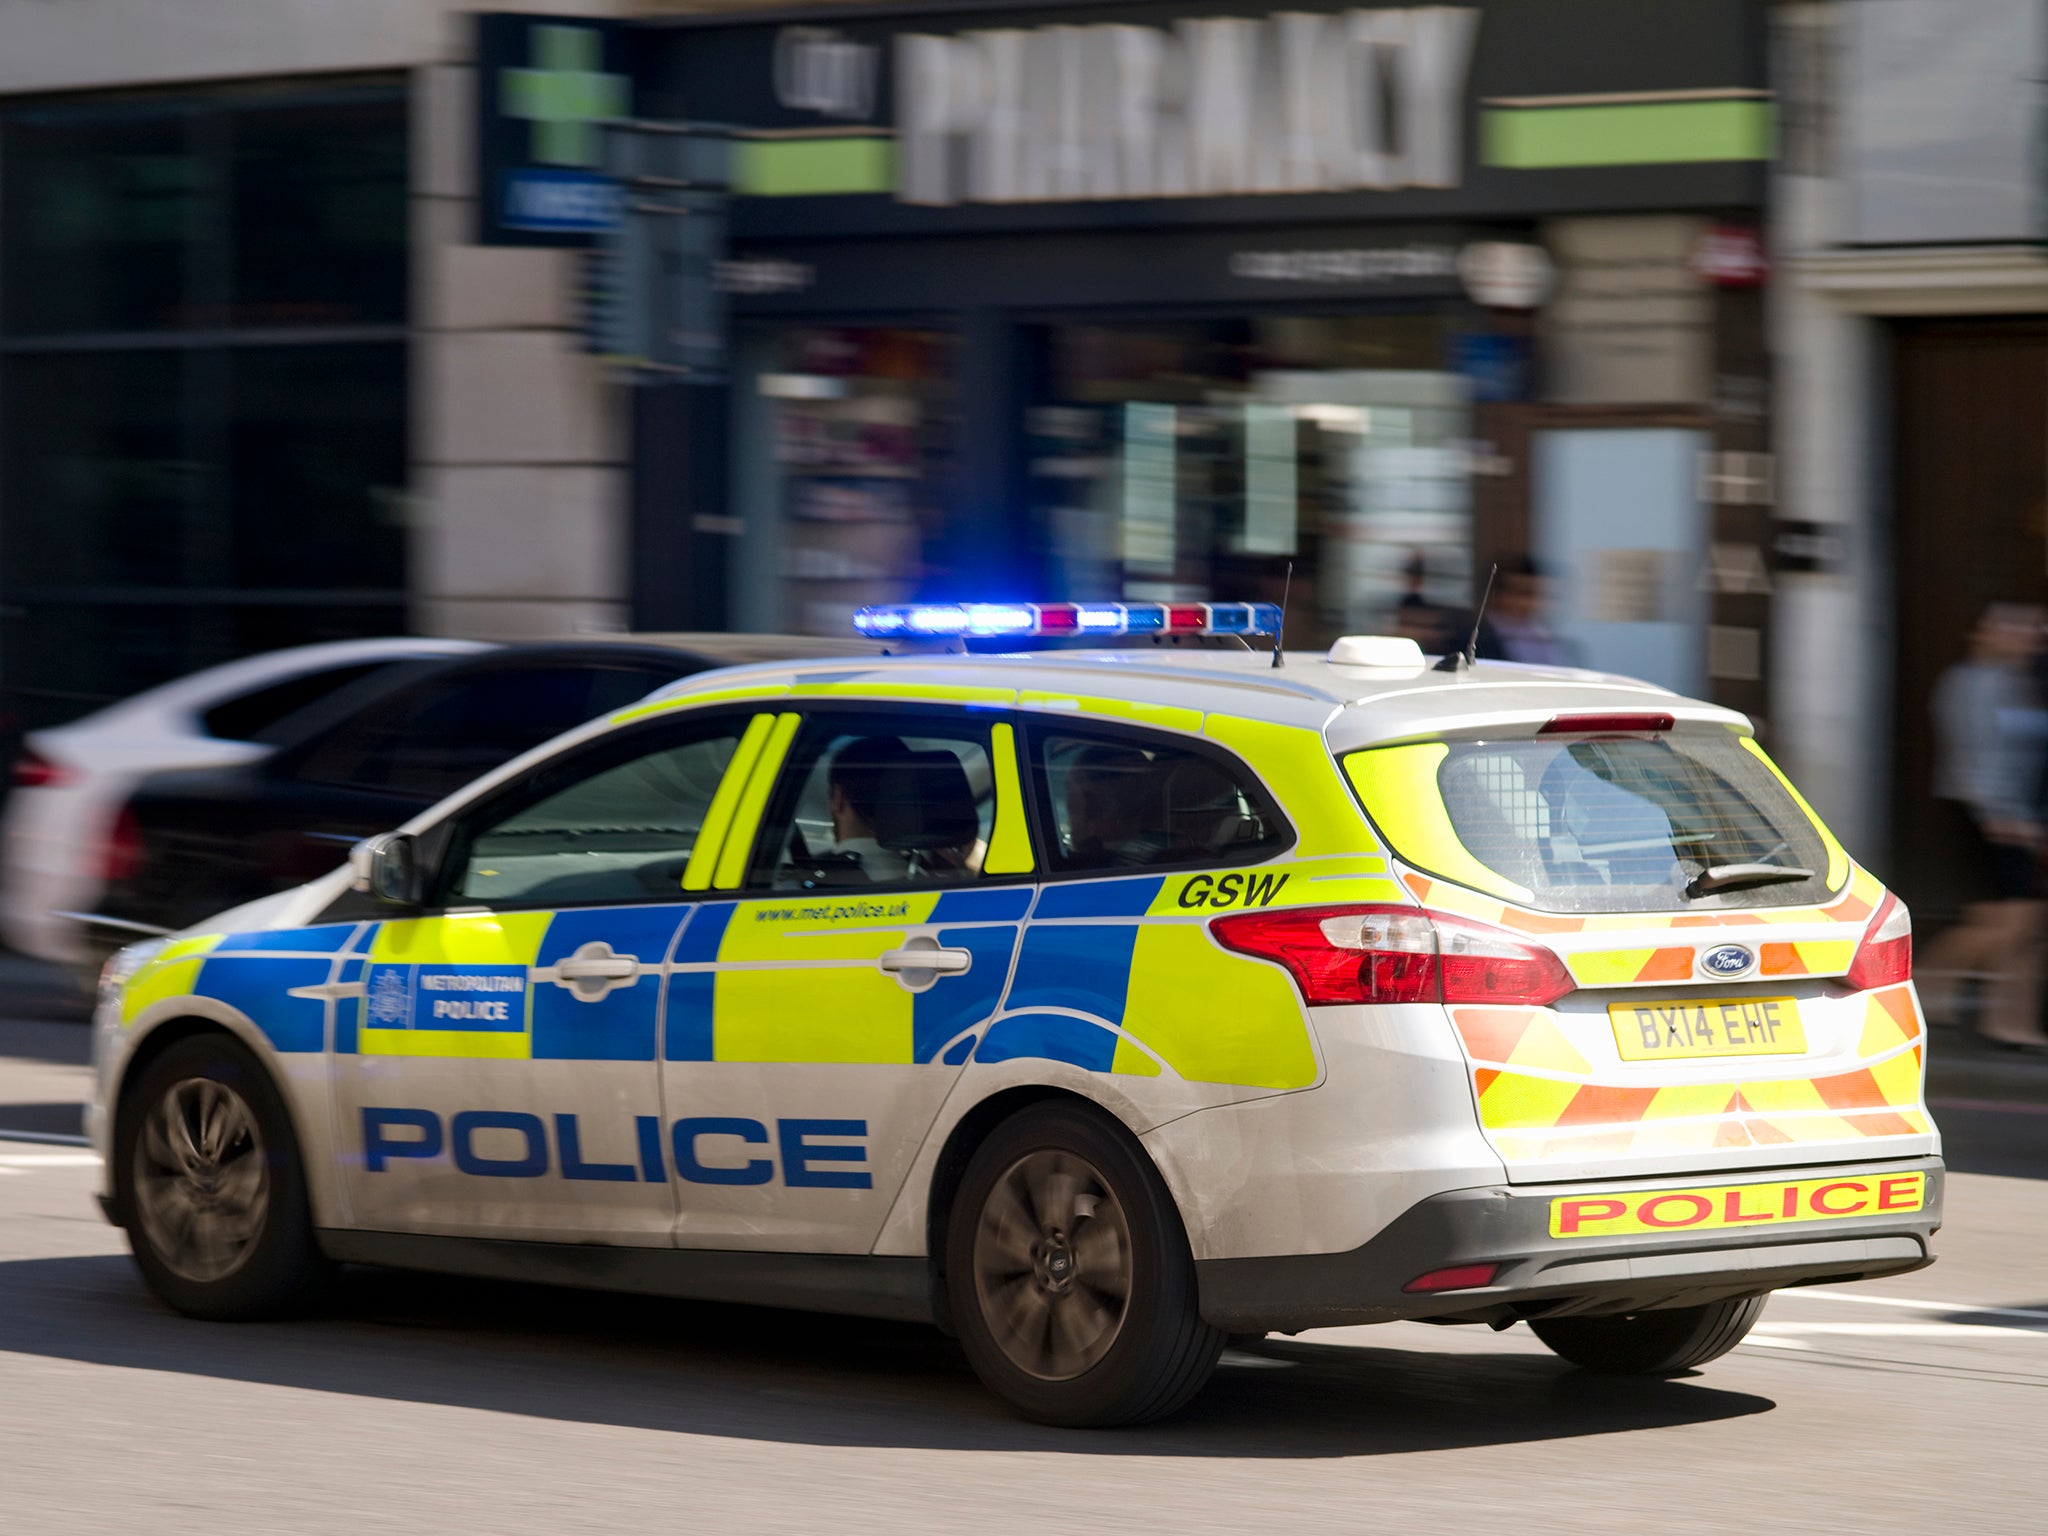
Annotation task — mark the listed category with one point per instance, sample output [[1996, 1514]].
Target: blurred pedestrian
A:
[[1988, 737], [1519, 617]]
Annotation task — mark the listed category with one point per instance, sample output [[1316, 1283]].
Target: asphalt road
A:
[[421, 1404]]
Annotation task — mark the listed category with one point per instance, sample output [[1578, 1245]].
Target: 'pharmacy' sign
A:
[[1296, 102]]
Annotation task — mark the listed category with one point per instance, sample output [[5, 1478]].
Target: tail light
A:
[[1885, 957], [121, 855], [1397, 955], [32, 770]]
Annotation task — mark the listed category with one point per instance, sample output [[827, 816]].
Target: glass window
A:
[[1626, 825], [859, 429], [249, 716], [613, 832], [100, 212], [1198, 460], [319, 431], [430, 739], [883, 800], [1120, 803], [318, 199]]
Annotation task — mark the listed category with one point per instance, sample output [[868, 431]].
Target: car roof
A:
[[1353, 705]]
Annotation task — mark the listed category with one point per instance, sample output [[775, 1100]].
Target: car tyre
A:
[[211, 1186], [1658, 1343], [1072, 1290]]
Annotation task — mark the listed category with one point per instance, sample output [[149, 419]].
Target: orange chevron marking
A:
[[1667, 965]]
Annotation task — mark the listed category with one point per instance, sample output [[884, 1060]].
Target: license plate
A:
[[1736, 1205], [1751, 1026]]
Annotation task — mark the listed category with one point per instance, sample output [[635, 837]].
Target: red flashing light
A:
[[1605, 725], [1186, 618], [1885, 957], [1058, 618], [32, 770], [1458, 1277], [1386, 954]]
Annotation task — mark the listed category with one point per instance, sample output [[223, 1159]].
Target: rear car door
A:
[[499, 1074], [1148, 835], [816, 1022]]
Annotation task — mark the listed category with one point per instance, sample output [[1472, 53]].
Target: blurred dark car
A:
[[370, 757]]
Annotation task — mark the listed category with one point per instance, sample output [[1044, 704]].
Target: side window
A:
[[878, 799], [1115, 802], [251, 716], [614, 825]]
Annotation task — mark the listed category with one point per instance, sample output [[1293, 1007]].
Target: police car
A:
[[1097, 1005]]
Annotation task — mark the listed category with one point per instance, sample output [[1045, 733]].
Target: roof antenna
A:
[[1461, 660], [1280, 629]]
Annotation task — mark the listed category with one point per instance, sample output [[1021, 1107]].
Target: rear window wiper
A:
[[1738, 877]]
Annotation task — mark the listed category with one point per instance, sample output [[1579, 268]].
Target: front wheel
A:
[[209, 1178], [1072, 1288], [1660, 1343]]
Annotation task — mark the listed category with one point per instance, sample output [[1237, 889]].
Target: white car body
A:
[[1309, 1193], [54, 834]]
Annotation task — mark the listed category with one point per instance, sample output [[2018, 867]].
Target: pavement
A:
[[427, 1404]]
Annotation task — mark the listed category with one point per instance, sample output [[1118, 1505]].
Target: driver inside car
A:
[[855, 782]]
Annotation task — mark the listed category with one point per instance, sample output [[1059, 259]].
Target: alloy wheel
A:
[[1052, 1265], [202, 1181]]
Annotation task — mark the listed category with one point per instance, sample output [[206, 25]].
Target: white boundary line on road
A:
[[1912, 1302], [45, 1138]]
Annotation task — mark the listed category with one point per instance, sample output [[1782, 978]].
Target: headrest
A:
[[924, 801]]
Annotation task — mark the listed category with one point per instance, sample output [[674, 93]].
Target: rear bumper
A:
[[1544, 1276]]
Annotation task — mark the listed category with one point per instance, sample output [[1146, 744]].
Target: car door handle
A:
[[951, 962], [592, 973], [606, 967]]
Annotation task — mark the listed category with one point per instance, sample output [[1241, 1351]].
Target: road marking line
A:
[[14, 1162], [45, 1138], [1912, 1302], [1775, 1341], [1915, 1330]]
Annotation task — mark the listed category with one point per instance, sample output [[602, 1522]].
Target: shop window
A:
[[1199, 460], [862, 436], [319, 430], [101, 208], [319, 195], [176, 487]]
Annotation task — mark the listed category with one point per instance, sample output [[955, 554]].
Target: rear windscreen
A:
[[1620, 824]]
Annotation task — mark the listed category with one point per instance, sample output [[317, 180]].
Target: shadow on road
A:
[[745, 1373]]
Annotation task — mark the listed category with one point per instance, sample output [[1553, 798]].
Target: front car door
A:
[[817, 1021], [499, 1074]]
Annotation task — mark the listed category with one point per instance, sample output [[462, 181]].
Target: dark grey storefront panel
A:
[[1533, 55], [1114, 269]]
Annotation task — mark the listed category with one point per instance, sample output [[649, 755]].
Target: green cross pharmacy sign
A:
[[543, 92]]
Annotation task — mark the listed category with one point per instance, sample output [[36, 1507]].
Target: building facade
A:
[[1074, 300], [1911, 318]]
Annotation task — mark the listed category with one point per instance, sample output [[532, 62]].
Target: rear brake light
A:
[[1459, 1277], [1885, 957], [32, 770], [121, 856], [1603, 725], [1374, 954]]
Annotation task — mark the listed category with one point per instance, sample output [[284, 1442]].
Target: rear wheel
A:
[[212, 1187], [1072, 1289], [1659, 1343]]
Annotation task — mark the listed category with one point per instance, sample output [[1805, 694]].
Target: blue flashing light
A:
[[946, 621]]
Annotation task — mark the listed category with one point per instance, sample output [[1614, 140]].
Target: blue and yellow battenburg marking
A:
[[1117, 976]]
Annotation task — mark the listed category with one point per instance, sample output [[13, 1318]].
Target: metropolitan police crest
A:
[[389, 1003]]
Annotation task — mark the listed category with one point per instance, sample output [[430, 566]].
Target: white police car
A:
[[1096, 1004]]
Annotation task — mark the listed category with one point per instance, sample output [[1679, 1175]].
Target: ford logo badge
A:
[[1727, 960]]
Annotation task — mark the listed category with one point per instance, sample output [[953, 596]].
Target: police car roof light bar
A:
[[952, 621]]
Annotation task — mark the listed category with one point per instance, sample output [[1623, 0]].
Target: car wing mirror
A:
[[387, 866]]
